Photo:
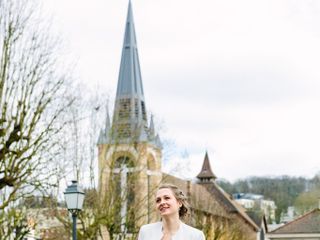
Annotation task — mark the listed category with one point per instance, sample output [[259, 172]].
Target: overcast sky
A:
[[239, 79]]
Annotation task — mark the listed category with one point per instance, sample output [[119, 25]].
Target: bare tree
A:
[[31, 102]]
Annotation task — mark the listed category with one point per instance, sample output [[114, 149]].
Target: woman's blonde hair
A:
[[180, 196]]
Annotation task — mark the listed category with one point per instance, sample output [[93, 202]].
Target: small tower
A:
[[206, 175], [129, 149]]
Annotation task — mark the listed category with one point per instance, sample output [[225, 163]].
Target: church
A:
[[129, 163]]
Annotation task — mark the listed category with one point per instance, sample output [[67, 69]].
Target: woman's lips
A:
[[162, 209]]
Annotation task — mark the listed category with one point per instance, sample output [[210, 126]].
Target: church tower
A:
[[129, 149]]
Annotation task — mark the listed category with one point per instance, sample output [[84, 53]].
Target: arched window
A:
[[123, 160], [151, 165]]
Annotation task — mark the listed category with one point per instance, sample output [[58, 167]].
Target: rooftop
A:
[[307, 223]]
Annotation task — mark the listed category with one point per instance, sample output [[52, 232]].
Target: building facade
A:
[[257, 202]]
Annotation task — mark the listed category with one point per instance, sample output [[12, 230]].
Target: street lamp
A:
[[74, 196]]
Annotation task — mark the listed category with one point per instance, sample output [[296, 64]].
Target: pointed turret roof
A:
[[104, 135], [129, 116], [206, 172], [151, 127]]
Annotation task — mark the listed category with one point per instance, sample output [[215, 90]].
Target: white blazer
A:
[[153, 231]]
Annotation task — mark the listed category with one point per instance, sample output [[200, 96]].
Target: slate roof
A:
[[129, 114], [259, 219], [307, 223], [222, 197], [230, 205], [130, 81], [130, 123]]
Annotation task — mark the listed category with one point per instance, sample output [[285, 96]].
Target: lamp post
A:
[[74, 196]]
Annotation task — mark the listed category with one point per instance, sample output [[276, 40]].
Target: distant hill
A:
[[284, 190]]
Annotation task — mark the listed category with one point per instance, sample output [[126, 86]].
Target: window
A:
[[124, 108]]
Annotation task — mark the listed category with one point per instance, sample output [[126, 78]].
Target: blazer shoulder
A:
[[194, 232], [151, 227]]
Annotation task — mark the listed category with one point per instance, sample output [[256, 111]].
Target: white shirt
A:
[[153, 231]]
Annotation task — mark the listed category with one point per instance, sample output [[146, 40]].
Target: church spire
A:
[[130, 82], [206, 174], [129, 118], [105, 133]]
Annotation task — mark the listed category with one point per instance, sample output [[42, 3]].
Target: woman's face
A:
[[166, 202]]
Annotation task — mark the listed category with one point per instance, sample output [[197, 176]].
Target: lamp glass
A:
[[72, 200], [80, 200], [74, 196]]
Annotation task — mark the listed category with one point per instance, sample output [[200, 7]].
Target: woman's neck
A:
[[171, 224]]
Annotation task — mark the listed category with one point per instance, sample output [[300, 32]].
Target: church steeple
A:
[[129, 118], [133, 148], [206, 175]]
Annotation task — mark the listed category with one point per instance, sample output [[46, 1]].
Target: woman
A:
[[172, 206]]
